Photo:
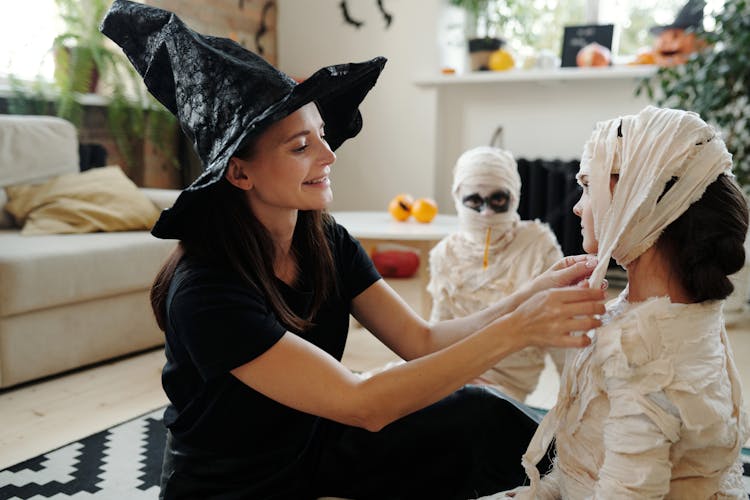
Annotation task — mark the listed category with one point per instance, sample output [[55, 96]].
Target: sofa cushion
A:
[[49, 341], [35, 148], [162, 198], [50, 270], [101, 199]]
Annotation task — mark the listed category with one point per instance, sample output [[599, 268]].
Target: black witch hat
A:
[[690, 16], [222, 94]]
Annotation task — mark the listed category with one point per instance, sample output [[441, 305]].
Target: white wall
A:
[[540, 119], [413, 134], [395, 151]]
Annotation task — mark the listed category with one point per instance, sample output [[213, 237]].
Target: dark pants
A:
[[466, 445]]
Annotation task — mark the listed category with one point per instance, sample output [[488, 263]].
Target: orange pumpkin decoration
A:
[[424, 209], [400, 206], [674, 46], [593, 54], [643, 57]]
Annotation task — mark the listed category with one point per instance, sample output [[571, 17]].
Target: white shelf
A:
[[539, 75]]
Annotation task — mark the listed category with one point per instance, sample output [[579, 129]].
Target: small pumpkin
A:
[[400, 206], [424, 209], [501, 60], [593, 54], [643, 57]]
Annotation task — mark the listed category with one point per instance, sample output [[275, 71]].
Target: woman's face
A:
[[290, 165], [583, 210]]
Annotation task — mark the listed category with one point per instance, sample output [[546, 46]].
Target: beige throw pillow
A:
[[100, 199]]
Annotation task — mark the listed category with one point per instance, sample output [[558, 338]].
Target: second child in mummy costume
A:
[[492, 255], [653, 407]]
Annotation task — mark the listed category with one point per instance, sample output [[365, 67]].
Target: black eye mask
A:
[[498, 201]]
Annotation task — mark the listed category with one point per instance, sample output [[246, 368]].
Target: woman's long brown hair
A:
[[226, 233]]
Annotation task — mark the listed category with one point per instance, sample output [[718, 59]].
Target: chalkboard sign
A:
[[577, 37]]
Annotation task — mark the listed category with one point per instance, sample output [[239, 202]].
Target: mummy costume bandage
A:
[[647, 150], [653, 407], [488, 167], [486, 190]]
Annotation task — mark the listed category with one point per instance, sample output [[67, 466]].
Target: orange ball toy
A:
[[424, 209], [400, 206]]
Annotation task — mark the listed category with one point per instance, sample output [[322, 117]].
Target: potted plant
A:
[[80, 55], [479, 29], [714, 83], [29, 98], [87, 62], [84, 57]]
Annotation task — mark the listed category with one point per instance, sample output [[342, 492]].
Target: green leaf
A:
[[714, 83]]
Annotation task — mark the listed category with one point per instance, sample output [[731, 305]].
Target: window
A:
[[538, 25], [530, 26], [27, 30], [633, 19]]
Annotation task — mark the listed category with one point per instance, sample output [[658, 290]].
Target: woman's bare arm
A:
[[302, 376], [380, 310]]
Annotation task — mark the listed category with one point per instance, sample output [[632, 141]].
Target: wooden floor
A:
[[41, 416]]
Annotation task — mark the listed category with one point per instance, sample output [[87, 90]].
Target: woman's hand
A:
[[569, 271], [548, 318]]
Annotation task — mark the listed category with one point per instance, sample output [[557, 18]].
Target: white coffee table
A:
[[375, 228]]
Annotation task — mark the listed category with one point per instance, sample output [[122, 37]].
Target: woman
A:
[[493, 254], [653, 407], [255, 302]]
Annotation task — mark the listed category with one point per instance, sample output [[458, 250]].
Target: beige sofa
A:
[[68, 300]]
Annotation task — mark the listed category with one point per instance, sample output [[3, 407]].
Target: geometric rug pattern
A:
[[122, 462]]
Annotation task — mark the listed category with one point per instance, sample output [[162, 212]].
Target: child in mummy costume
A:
[[492, 255], [653, 407]]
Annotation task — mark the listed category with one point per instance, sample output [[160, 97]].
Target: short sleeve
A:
[[355, 268], [222, 323]]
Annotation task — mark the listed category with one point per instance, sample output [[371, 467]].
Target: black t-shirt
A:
[[215, 323]]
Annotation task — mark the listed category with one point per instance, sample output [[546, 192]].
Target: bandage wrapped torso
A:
[[492, 255], [460, 286], [651, 409]]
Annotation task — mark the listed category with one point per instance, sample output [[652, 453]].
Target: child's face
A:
[[484, 199], [583, 210]]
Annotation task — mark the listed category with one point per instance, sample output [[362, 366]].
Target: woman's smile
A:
[[322, 181]]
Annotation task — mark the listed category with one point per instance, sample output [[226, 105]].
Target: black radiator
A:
[[548, 193]]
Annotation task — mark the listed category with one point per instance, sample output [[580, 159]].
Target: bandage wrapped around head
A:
[[647, 151], [486, 190]]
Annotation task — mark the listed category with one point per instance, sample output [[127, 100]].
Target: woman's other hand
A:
[[548, 318]]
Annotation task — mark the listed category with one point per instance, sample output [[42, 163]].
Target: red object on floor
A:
[[396, 263]]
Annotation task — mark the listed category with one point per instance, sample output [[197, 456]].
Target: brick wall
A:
[[239, 20], [150, 166]]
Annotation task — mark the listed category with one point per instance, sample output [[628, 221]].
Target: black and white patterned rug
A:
[[122, 463]]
